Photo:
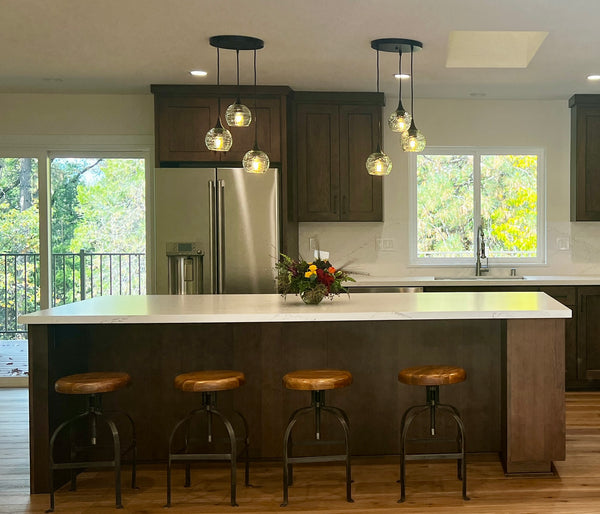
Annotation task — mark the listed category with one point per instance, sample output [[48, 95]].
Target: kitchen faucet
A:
[[479, 268]]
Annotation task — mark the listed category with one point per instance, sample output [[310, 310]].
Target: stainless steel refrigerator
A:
[[231, 215]]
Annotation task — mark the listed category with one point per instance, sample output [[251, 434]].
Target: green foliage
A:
[[112, 205], [97, 205], [19, 228], [445, 209], [445, 205], [315, 279]]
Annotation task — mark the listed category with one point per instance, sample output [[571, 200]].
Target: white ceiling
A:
[[123, 46]]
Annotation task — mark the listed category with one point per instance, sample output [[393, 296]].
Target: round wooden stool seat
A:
[[92, 383], [317, 379], [210, 380], [432, 375]]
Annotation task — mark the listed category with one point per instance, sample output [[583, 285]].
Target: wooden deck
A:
[[319, 488], [13, 358]]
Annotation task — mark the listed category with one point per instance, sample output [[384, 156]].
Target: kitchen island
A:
[[511, 345]]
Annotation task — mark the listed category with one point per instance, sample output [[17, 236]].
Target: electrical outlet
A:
[[384, 244], [562, 243]]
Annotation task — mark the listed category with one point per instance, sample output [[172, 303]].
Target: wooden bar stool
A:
[[432, 377], [209, 383], [317, 381], [93, 385]]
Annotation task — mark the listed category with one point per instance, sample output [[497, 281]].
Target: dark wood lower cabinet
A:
[[582, 330], [588, 336]]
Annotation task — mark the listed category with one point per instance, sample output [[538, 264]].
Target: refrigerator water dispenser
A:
[[185, 268]]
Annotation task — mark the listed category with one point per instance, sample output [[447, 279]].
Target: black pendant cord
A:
[[218, 84], [237, 59], [412, 75], [255, 113], [400, 80], [379, 123]]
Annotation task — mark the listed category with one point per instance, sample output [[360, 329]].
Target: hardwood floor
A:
[[320, 488]]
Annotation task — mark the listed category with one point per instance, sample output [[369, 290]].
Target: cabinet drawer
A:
[[564, 294]]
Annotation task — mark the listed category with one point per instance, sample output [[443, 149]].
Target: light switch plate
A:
[[384, 244]]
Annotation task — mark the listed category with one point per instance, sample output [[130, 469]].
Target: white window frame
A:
[[45, 147], [477, 152]]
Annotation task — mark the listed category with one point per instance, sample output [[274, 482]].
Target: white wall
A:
[[543, 124], [57, 114], [444, 123]]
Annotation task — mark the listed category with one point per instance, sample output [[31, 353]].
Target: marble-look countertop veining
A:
[[447, 280], [273, 308]]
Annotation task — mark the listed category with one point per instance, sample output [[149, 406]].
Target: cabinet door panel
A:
[[269, 135], [589, 333], [585, 159], [182, 124], [361, 192], [318, 162]]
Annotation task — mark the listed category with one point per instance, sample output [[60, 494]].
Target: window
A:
[[457, 190]]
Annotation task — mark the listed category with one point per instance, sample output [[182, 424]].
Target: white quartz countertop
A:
[[273, 308], [486, 280]]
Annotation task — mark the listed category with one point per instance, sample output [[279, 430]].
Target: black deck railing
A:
[[74, 277]]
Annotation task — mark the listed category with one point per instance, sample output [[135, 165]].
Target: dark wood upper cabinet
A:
[[184, 114], [585, 157], [318, 162], [334, 135]]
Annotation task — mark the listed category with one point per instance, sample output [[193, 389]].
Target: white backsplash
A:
[[355, 246]]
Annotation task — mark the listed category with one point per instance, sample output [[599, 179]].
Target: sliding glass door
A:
[[72, 226], [19, 257], [98, 227]]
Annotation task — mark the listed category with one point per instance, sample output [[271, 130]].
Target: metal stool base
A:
[[95, 414], [317, 406], [432, 405], [209, 408]]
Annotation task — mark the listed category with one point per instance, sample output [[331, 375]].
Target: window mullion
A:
[[476, 199]]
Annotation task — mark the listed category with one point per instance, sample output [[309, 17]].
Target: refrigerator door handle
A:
[[213, 236], [221, 235]]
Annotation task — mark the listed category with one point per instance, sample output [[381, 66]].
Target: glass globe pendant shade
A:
[[218, 139], [238, 115], [256, 161], [413, 140], [399, 120], [379, 163]]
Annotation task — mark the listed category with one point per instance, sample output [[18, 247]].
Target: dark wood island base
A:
[[512, 402]]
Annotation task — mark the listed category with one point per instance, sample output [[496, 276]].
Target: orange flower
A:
[[331, 270]]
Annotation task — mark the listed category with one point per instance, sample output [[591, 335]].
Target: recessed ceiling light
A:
[[402, 76], [593, 77], [198, 73]]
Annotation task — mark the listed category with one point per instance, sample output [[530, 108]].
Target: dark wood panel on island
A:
[[510, 392]]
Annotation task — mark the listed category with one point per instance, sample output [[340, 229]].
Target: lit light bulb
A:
[[399, 120], [413, 140], [379, 163], [218, 139], [238, 115], [256, 161]]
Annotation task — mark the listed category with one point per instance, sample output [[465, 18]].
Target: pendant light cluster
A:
[[400, 121], [218, 139]]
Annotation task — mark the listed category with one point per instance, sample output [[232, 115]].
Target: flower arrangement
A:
[[313, 281]]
